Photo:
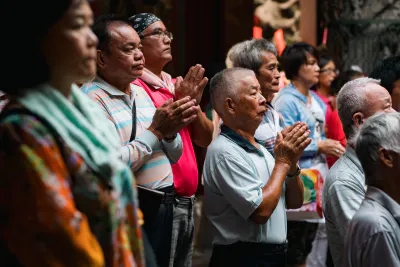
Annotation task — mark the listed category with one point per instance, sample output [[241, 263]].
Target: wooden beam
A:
[[308, 21]]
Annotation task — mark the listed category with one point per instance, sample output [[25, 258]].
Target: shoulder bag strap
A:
[[133, 133]]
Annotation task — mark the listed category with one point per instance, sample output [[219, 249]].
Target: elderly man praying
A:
[[246, 189], [344, 187], [373, 236]]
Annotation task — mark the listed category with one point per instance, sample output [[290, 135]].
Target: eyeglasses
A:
[[158, 35], [335, 71]]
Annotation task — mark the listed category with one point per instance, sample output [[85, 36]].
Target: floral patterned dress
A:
[[54, 210]]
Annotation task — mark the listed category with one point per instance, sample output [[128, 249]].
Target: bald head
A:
[[358, 100], [226, 84]]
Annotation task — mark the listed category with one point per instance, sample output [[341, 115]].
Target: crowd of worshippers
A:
[[98, 162]]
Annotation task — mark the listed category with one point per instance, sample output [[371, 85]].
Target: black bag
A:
[[152, 198]]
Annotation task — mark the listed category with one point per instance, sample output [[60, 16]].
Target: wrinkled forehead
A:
[[247, 82], [268, 57], [122, 30], [375, 92]]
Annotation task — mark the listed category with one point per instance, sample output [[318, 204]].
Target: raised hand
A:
[[172, 117], [288, 149], [288, 129], [331, 147], [193, 85]]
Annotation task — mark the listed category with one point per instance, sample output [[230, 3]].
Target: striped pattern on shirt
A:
[[152, 167], [269, 127]]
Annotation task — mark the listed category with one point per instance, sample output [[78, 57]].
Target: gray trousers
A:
[[182, 233]]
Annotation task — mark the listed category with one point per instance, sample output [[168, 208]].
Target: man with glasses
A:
[[150, 142], [156, 42]]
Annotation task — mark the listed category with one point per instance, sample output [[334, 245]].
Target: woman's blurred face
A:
[[327, 74], [309, 71], [396, 95], [70, 45]]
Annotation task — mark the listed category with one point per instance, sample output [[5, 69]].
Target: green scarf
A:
[[81, 124], [84, 127]]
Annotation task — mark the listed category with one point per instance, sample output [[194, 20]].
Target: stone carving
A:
[[362, 32], [271, 14]]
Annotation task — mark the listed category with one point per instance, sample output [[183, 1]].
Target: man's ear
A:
[[229, 105], [386, 157], [358, 119], [100, 59]]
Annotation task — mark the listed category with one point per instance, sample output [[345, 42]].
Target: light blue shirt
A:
[[234, 174], [292, 105]]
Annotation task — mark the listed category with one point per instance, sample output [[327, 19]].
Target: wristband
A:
[[294, 175], [169, 140]]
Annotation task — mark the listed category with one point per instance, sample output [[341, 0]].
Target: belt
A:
[[184, 200], [171, 195], [253, 246], [166, 195]]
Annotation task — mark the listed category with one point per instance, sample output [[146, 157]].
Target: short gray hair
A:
[[224, 84], [382, 130], [350, 100], [247, 54], [232, 53]]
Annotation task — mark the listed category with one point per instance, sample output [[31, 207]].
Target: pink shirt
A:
[[185, 170]]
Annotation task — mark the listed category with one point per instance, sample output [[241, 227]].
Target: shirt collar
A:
[[386, 201], [239, 140], [351, 154], [108, 87], [291, 89]]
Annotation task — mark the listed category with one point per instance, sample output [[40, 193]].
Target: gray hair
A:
[[350, 100], [232, 53], [247, 54], [381, 130], [225, 84]]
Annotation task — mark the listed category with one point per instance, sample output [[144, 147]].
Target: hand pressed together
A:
[[288, 149], [193, 85], [172, 117]]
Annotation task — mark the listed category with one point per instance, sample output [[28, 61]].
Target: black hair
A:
[[324, 57], [294, 56], [388, 71], [101, 28], [25, 64]]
